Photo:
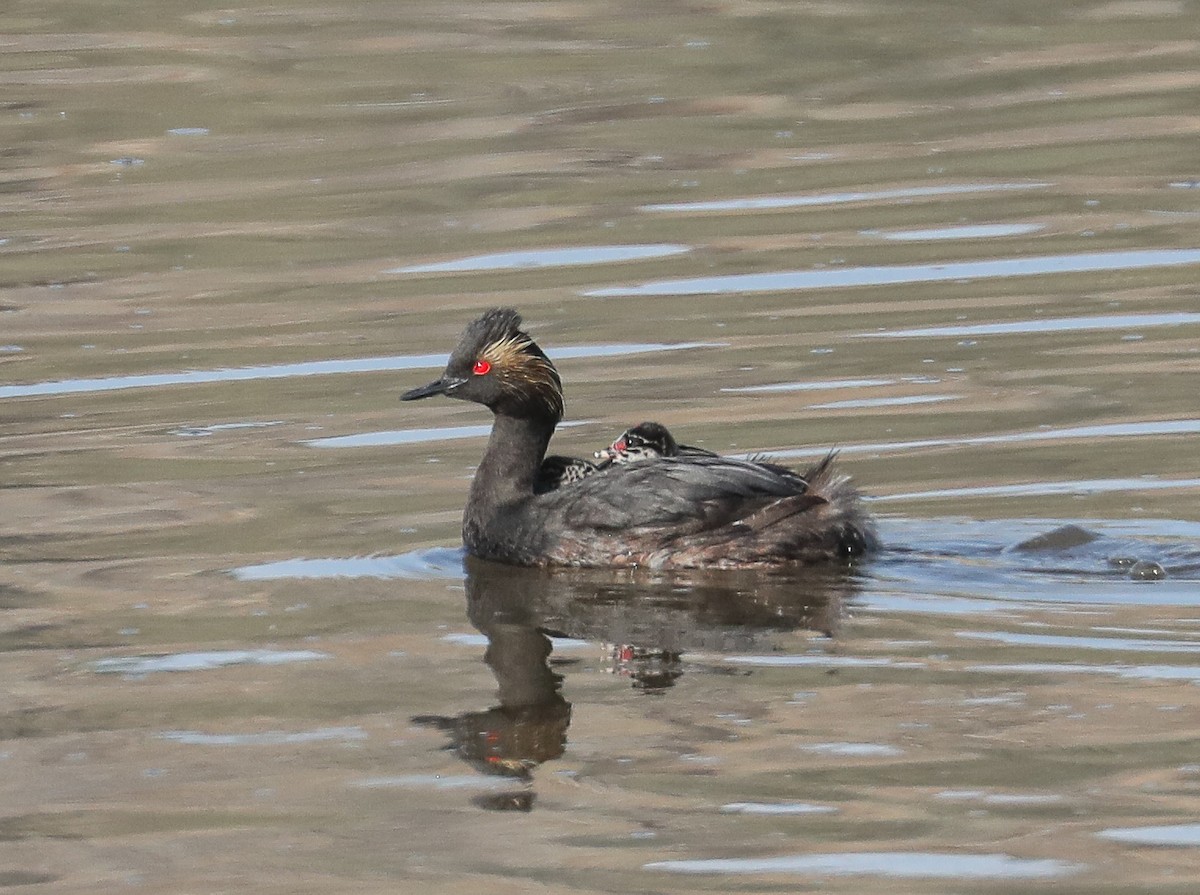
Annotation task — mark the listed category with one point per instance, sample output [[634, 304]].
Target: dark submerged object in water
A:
[[683, 511]]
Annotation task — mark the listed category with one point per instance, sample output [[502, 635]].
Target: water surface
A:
[[240, 645]]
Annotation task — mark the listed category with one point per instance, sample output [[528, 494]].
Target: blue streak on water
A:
[[313, 368], [1052, 325], [813, 386], [865, 403], [1028, 489], [908, 865], [206, 431], [266, 738], [820, 661], [435, 563], [231, 374], [1018, 588], [930, 604], [1170, 835], [999, 798], [832, 278], [1130, 672], [559, 643], [537, 258], [975, 231], [771, 202], [411, 436], [1102, 430], [202, 661], [399, 436], [1057, 641], [854, 750], [433, 781], [776, 808]]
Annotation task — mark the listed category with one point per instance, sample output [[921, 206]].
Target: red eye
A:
[[619, 444], [481, 368]]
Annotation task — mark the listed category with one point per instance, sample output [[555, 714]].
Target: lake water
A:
[[240, 644]]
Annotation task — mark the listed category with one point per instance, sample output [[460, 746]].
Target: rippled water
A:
[[242, 647]]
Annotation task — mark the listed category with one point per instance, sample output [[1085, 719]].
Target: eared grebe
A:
[[681, 511]]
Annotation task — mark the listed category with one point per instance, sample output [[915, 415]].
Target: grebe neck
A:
[[510, 465]]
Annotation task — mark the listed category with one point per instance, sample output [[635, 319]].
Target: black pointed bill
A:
[[442, 386]]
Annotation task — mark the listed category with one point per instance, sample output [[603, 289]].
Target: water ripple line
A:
[[890, 275], [311, 368]]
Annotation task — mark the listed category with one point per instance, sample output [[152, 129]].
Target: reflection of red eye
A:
[[619, 444], [481, 368]]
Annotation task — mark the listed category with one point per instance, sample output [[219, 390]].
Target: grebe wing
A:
[[688, 493]]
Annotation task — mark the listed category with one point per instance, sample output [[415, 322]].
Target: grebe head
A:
[[643, 442], [651, 437], [498, 365]]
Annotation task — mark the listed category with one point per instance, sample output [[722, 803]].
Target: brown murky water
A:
[[239, 646]]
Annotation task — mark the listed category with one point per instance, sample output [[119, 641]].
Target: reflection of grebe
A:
[[648, 622], [678, 512], [527, 728]]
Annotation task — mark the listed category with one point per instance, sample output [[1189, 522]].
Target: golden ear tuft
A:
[[524, 371], [508, 353]]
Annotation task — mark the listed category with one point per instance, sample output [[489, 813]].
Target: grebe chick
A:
[[645, 441], [648, 441]]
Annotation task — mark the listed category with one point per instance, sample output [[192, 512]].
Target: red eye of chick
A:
[[619, 444], [481, 368]]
